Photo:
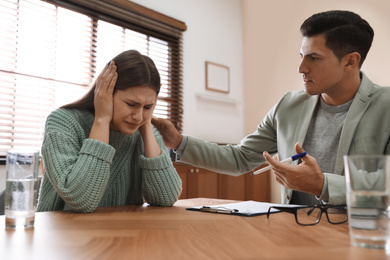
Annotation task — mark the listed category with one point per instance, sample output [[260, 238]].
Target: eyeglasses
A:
[[311, 215]]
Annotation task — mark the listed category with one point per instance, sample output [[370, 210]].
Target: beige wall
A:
[[214, 33], [271, 50]]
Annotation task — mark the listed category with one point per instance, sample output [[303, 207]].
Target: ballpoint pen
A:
[[289, 159], [218, 210]]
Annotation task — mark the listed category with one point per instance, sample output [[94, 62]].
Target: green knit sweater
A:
[[82, 174]]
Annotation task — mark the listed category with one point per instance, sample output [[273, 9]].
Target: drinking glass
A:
[[368, 190], [21, 188]]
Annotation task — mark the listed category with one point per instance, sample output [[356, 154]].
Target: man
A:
[[339, 112]]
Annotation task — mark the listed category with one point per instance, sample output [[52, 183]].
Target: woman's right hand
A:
[[103, 101]]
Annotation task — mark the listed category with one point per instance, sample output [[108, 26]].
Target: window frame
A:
[[141, 19]]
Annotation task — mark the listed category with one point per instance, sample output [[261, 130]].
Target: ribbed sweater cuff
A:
[[161, 162], [98, 149]]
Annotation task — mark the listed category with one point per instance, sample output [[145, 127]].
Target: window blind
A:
[[52, 50]]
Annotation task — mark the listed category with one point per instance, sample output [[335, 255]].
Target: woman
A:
[[103, 150]]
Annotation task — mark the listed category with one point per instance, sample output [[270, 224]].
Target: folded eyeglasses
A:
[[311, 215]]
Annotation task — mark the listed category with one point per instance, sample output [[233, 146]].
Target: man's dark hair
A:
[[345, 32]]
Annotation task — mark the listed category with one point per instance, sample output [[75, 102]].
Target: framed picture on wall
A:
[[217, 77]]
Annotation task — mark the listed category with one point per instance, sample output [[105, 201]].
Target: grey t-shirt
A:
[[2, 202], [321, 142]]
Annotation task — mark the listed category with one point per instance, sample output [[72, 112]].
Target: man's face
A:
[[132, 108], [322, 72]]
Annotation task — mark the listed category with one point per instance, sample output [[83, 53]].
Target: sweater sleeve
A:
[[161, 183], [77, 168]]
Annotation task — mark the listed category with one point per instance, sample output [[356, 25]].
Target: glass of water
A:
[[21, 188], [368, 191]]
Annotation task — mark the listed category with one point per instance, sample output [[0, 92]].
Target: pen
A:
[[218, 210], [289, 159]]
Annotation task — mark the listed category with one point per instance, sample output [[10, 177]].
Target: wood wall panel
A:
[[231, 187], [202, 183]]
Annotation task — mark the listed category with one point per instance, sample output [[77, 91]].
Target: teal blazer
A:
[[366, 131]]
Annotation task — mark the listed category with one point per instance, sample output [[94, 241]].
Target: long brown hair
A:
[[134, 69]]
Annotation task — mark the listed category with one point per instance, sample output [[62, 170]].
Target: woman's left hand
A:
[[152, 149], [146, 127]]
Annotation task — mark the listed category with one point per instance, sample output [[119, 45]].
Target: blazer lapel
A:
[[304, 120], [358, 107]]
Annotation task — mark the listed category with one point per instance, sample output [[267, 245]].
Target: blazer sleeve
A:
[[241, 158]]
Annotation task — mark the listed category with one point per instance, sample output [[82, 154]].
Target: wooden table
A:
[[144, 232]]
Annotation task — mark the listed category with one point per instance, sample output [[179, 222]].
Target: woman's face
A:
[[133, 107]]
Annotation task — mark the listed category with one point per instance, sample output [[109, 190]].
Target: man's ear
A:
[[352, 60]]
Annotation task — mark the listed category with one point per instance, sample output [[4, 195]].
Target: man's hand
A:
[[172, 137], [306, 177]]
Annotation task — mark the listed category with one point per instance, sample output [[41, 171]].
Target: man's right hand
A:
[[172, 137]]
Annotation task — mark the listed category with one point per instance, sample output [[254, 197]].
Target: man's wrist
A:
[[178, 142], [180, 150], [324, 196]]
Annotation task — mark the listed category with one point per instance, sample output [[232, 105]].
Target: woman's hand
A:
[[146, 127], [151, 146], [104, 90], [103, 103]]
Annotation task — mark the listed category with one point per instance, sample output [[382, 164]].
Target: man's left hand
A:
[[306, 177]]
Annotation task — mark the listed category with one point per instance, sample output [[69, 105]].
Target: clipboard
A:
[[248, 208]]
